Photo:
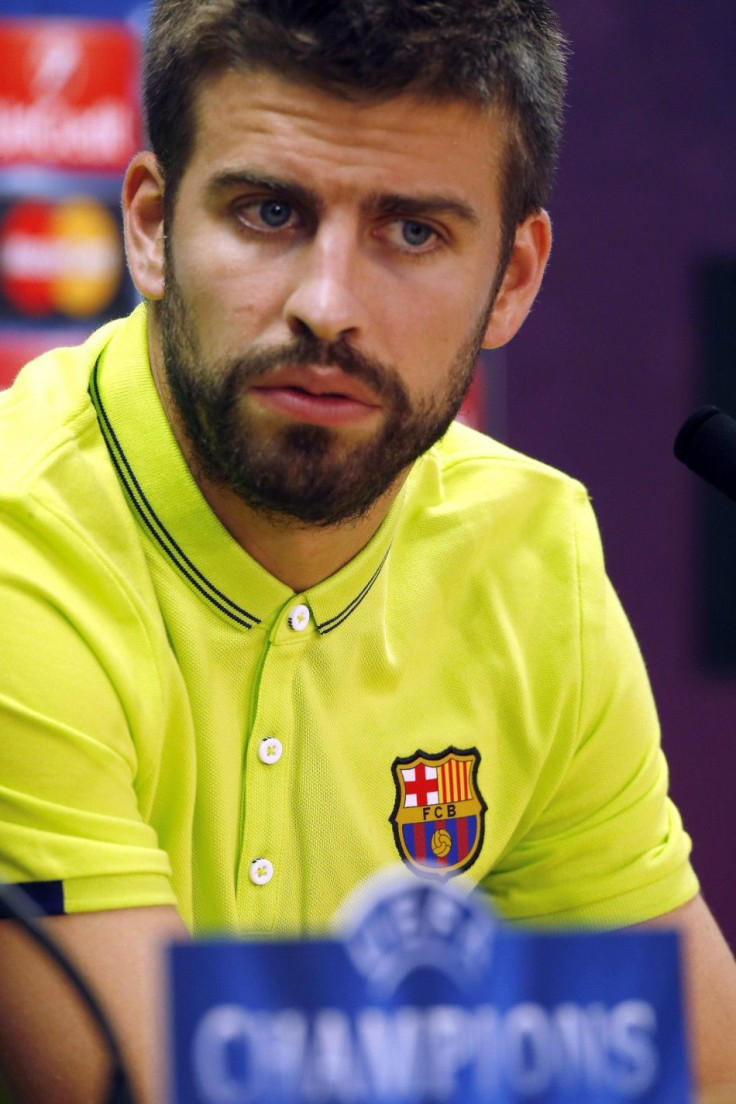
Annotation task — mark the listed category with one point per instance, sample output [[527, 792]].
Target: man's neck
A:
[[297, 554]]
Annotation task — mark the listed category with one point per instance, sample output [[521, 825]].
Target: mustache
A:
[[307, 350]]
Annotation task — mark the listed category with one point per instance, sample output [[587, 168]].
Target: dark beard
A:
[[299, 471]]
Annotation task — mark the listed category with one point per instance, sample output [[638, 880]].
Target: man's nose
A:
[[327, 297]]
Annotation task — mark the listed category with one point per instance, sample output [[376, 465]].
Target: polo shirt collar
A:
[[172, 510]]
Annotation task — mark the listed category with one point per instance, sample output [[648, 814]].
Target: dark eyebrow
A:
[[402, 206], [383, 204], [230, 179]]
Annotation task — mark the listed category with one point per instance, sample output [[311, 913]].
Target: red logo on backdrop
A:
[[68, 94], [61, 257]]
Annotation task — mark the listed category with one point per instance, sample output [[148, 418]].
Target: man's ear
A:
[[143, 220], [521, 280]]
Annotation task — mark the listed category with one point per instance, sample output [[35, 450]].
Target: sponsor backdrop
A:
[[69, 122]]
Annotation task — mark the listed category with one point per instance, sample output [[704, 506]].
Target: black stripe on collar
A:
[[154, 524], [332, 622]]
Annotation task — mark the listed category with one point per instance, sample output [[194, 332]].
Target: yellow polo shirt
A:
[[179, 727]]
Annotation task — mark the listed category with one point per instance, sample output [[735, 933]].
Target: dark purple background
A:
[[609, 363]]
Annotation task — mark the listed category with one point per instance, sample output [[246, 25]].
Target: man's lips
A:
[[322, 396], [318, 381]]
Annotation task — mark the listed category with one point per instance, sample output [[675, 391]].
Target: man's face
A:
[[330, 268]]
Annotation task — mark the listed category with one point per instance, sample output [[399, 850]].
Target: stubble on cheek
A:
[[310, 473]]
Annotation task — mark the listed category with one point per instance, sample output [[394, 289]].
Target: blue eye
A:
[[275, 213], [416, 233]]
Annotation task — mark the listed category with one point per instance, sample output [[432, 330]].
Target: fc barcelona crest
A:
[[439, 813]]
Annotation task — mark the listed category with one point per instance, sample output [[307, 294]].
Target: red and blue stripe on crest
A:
[[418, 840]]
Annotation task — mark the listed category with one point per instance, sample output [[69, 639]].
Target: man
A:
[[270, 624]]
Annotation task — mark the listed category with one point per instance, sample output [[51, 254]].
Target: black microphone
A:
[[706, 444]]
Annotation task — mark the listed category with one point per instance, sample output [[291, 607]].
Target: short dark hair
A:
[[504, 53]]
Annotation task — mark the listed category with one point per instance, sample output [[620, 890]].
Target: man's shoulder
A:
[[469, 468], [47, 410], [58, 489], [475, 506]]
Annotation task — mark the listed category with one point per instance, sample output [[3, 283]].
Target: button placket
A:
[[269, 779]]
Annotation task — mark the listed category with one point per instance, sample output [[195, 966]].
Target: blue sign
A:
[[428, 999]]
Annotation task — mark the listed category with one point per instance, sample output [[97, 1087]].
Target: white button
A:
[[261, 871], [299, 618], [270, 750]]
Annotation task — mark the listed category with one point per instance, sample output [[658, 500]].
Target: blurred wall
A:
[[610, 362]]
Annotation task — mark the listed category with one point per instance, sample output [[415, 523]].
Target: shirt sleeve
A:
[[609, 847], [71, 826]]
